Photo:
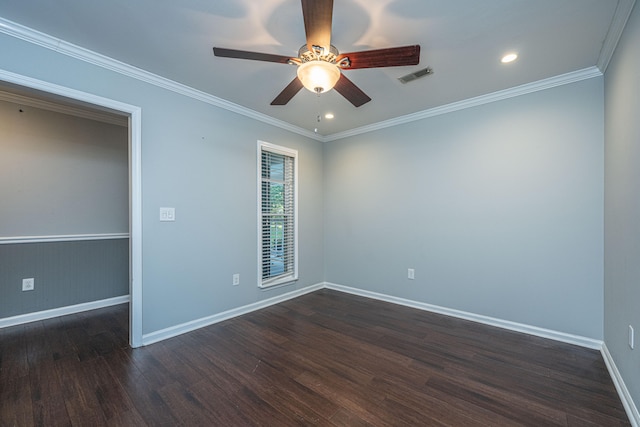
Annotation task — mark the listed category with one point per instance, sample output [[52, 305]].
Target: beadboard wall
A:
[[65, 273]]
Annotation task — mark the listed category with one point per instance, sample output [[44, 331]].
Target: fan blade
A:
[[289, 92], [256, 56], [317, 16], [391, 57], [349, 90]]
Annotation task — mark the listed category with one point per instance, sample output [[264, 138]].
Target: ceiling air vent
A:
[[412, 76]]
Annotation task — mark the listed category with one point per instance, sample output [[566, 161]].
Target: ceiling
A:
[[461, 40]]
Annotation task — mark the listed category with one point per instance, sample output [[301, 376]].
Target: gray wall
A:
[[65, 273], [498, 208], [201, 160], [61, 174], [622, 205]]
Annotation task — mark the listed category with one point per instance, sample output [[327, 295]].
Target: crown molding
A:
[[29, 35], [551, 82], [620, 17], [64, 109], [622, 13]]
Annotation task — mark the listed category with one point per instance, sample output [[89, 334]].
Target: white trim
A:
[[623, 392], [622, 13], [57, 107], [55, 89], [500, 323], [183, 328], [61, 311], [560, 80], [62, 238], [135, 185], [135, 227], [289, 152], [36, 37], [41, 39]]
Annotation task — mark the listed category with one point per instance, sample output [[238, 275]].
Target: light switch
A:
[[167, 214]]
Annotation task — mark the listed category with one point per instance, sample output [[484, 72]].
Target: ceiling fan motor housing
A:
[[318, 53]]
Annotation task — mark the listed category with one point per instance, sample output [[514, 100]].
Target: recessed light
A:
[[509, 58], [329, 116]]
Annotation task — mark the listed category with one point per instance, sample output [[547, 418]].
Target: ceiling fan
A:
[[319, 63]]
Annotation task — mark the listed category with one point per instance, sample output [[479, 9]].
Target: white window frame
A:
[[291, 276]]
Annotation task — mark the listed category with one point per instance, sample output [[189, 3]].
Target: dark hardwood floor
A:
[[326, 358]]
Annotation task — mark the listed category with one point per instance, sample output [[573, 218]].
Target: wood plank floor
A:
[[326, 358]]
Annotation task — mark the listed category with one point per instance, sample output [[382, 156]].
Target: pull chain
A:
[[318, 91]]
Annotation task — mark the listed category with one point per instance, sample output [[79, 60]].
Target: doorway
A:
[[56, 93]]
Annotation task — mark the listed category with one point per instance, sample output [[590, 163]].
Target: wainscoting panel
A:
[[64, 273]]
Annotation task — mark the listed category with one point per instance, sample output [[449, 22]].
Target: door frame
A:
[[134, 114]]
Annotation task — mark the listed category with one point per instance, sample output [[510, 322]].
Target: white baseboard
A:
[[153, 337], [210, 320], [500, 323], [173, 331], [61, 311], [623, 392]]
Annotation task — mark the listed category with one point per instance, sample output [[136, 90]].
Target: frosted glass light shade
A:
[[318, 76]]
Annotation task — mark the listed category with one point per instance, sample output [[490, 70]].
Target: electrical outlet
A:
[[631, 337], [28, 284], [167, 214], [411, 274], [236, 279]]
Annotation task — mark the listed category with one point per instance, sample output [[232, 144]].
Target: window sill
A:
[[281, 281]]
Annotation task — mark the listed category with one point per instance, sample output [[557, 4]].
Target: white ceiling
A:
[[462, 40]]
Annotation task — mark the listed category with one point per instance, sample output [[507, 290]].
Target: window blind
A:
[[278, 208]]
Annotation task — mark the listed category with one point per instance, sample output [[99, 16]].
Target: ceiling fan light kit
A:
[[317, 69], [318, 76], [319, 63]]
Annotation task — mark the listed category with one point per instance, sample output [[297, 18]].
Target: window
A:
[[277, 215]]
